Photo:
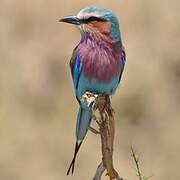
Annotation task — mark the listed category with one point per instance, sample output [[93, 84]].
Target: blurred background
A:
[[37, 104]]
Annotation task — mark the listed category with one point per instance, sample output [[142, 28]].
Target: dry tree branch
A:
[[106, 123], [101, 102], [99, 172]]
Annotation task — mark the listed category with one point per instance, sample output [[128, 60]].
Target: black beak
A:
[[71, 20]]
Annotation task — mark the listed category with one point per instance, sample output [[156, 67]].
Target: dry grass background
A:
[[38, 108]]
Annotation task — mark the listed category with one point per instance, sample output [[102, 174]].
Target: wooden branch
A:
[[93, 130], [99, 172], [107, 130]]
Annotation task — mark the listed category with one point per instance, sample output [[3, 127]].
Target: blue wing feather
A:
[[123, 58], [77, 71], [76, 67]]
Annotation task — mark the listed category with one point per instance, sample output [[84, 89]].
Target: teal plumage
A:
[[97, 62]]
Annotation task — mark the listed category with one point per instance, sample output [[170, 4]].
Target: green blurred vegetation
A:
[[37, 104]]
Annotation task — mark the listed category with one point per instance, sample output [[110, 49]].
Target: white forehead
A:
[[85, 15]]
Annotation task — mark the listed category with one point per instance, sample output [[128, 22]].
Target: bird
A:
[[97, 62]]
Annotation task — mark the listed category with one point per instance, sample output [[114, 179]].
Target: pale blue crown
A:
[[106, 14]]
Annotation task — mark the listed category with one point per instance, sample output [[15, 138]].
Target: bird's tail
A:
[[78, 145], [82, 125]]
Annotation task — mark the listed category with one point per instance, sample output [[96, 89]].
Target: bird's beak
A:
[[71, 20]]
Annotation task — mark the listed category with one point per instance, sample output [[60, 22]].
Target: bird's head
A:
[[96, 19]]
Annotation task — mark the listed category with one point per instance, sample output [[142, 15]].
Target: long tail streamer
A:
[[71, 167]]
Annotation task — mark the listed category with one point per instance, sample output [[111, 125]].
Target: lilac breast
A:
[[100, 57]]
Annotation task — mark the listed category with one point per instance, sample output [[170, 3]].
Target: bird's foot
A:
[[90, 99]]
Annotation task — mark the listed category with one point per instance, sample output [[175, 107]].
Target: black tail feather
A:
[[78, 145]]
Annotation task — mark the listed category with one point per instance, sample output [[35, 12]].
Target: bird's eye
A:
[[93, 18]]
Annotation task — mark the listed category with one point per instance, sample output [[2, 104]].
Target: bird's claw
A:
[[90, 99]]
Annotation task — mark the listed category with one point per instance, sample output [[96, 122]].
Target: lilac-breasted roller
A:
[[97, 62]]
